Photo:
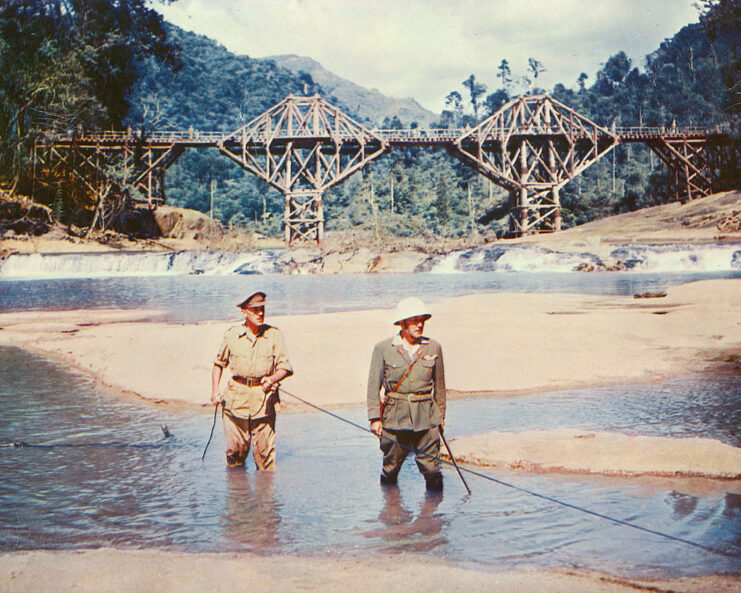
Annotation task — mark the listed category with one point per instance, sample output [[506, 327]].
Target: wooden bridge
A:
[[302, 146]]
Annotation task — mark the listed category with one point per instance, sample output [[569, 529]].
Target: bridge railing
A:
[[660, 131], [416, 135]]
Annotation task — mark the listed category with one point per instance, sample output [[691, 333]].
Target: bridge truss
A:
[[302, 147], [532, 146]]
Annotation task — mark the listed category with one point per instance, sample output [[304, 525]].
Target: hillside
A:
[[367, 103], [715, 218]]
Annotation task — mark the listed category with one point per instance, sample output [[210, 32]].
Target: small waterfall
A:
[[515, 258], [147, 263], [711, 257]]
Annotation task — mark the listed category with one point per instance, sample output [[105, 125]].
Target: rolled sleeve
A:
[[222, 354], [281, 354]]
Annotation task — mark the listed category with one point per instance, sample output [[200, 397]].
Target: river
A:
[[94, 468]]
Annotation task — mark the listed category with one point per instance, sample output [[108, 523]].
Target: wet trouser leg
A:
[[397, 444], [241, 433]]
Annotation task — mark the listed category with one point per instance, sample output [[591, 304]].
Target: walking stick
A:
[[442, 436], [216, 409]]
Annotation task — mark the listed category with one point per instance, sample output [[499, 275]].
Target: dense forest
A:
[[107, 64]]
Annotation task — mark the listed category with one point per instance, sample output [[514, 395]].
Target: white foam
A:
[[90, 265]]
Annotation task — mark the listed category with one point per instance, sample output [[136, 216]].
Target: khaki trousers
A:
[[240, 433]]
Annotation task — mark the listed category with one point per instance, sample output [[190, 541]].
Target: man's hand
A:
[[376, 428], [267, 384], [216, 398], [442, 425]]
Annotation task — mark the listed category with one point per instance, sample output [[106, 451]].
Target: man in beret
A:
[[256, 355], [406, 395]]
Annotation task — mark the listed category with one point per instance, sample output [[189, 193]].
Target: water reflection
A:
[[403, 531], [683, 504], [252, 513], [97, 472]]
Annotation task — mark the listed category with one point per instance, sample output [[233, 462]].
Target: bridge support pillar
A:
[[557, 213], [688, 160], [303, 218], [523, 209]]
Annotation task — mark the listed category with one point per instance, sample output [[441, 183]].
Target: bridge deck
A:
[[408, 137]]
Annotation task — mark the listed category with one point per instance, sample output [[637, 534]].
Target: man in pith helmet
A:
[[256, 355], [406, 395]]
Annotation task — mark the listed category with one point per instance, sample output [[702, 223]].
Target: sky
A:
[[425, 48]]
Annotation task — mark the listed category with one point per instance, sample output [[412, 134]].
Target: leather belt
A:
[[248, 381], [412, 397]]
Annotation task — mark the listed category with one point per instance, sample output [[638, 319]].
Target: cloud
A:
[[425, 48]]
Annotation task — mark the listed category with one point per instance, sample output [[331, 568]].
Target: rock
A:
[[181, 223], [305, 255], [333, 262], [403, 262], [585, 267], [358, 262]]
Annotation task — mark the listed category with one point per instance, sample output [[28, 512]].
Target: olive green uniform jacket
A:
[[251, 357], [419, 401]]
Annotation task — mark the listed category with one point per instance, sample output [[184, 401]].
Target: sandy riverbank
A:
[[502, 344], [495, 344], [148, 570]]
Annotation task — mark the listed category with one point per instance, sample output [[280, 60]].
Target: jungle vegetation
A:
[[112, 64]]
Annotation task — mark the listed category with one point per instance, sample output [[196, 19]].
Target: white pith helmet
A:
[[410, 307]]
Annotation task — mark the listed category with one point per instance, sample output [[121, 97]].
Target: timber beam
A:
[[302, 147], [533, 146]]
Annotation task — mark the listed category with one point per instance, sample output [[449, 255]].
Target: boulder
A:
[[182, 223]]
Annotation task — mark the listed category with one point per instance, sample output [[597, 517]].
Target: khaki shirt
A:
[[419, 401], [253, 357]]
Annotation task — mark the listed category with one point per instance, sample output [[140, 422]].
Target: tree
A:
[[495, 101], [476, 89], [581, 81], [614, 72], [454, 100], [721, 20], [504, 74], [535, 67], [68, 63], [442, 208]]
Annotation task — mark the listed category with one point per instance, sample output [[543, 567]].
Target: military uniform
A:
[[411, 414], [249, 412]]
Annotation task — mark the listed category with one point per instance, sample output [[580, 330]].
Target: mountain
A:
[[370, 104]]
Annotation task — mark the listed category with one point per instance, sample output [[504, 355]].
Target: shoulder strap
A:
[[405, 375]]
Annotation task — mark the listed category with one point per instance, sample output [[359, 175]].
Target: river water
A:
[[95, 469]]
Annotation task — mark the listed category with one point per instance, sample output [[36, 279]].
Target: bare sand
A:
[[146, 570], [585, 451], [497, 345]]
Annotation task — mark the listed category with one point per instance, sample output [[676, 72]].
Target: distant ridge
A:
[[370, 104]]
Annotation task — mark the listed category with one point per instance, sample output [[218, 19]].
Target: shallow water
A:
[[96, 471], [187, 299]]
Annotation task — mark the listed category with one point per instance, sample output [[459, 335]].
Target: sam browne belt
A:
[[412, 397]]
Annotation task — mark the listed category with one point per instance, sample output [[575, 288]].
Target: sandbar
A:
[[153, 570]]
